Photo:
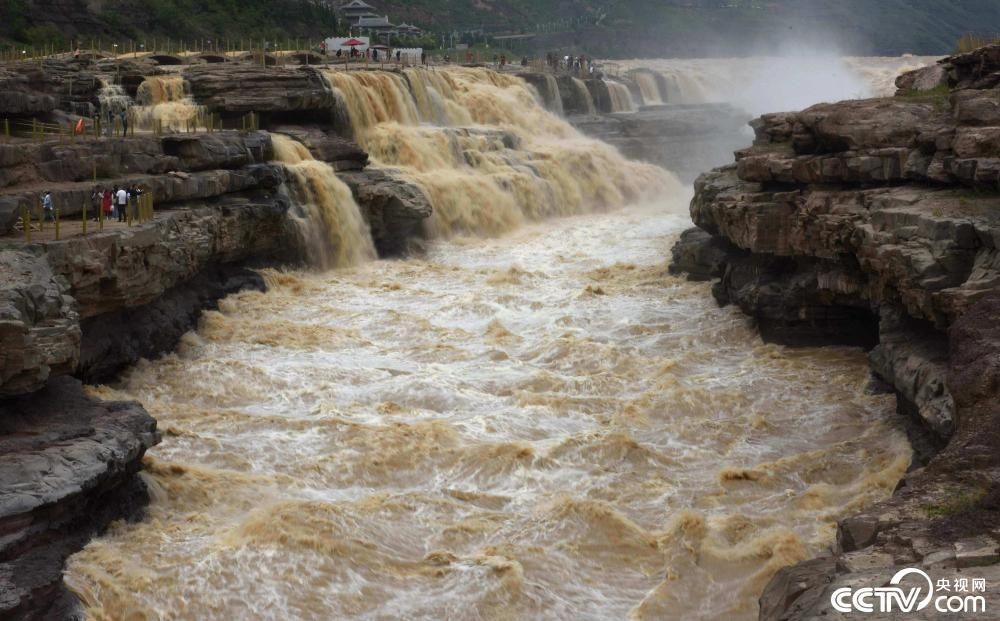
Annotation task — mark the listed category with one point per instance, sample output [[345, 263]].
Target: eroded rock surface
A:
[[878, 221], [68, 468]]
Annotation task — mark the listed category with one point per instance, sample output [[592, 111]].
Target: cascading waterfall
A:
[[164, 100], [649, 87], [621, 97], [327, 217], [483, 149], [765, 84], [552, 97], [584, 94], [113, 98]]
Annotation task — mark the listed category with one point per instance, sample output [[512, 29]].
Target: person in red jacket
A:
[[106, 204]]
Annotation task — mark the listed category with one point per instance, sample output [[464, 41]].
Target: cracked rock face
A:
[[39, 324]]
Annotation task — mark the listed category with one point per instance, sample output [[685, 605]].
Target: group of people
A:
[[373, 54], [121, 202], [579, 65]]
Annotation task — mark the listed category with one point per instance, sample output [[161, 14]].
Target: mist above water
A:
[[790, 82]]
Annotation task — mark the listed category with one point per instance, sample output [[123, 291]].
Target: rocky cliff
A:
[[876, 223]]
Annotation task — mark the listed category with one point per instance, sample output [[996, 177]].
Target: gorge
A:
[[523, 414]]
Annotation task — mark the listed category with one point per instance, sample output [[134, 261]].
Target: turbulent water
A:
[[545, 425], [333, 231], [538, 425]]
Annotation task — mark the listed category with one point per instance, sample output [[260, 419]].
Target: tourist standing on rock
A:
[[97, 201], [423, 58], [106, 204], [47, 207], [122, 196], [124, 116]]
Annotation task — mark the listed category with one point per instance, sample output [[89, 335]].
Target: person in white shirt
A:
[[122, 200]]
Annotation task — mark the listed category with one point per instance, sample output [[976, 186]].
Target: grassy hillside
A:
[[611, 28]]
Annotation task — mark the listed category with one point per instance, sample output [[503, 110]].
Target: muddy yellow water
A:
[[541, 426]]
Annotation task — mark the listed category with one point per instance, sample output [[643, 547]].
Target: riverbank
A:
[[874, 222]]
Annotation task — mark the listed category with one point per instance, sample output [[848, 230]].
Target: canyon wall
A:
[[876, 223]]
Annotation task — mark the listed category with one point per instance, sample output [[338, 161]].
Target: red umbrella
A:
[[352, 43]]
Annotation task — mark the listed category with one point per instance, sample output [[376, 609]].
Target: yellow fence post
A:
[[57, 223], [100, 217]]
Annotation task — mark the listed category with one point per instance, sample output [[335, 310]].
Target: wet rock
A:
[[796, 588], [699, 255], [68, 467], [393, 207], [116, 340]]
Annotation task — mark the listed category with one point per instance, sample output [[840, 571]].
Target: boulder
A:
[[393, 207]]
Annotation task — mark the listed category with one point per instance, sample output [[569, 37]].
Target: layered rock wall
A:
[[875, 222]]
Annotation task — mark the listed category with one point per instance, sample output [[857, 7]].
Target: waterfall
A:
[[553, 97], [621, 97], [165, 100], [585, 96], [649, 87], [329, 221], [113, 98], [486, 153]]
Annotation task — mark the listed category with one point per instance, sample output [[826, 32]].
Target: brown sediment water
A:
[[486, 152], [621, 97], [333, 231], [165, 100], [540, 426]]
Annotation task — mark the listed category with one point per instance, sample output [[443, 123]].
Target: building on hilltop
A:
[[376, 25], [356, 10], [408, 30]]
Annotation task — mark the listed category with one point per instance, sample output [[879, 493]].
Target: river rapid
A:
[[530, 420], [546, 425]]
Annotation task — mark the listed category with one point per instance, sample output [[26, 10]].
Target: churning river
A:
[[541, 425]]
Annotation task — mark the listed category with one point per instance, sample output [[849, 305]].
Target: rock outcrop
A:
[[875, 222], [175, 169], [68, 468], [39, 324], [275, 91], [393, 207]]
